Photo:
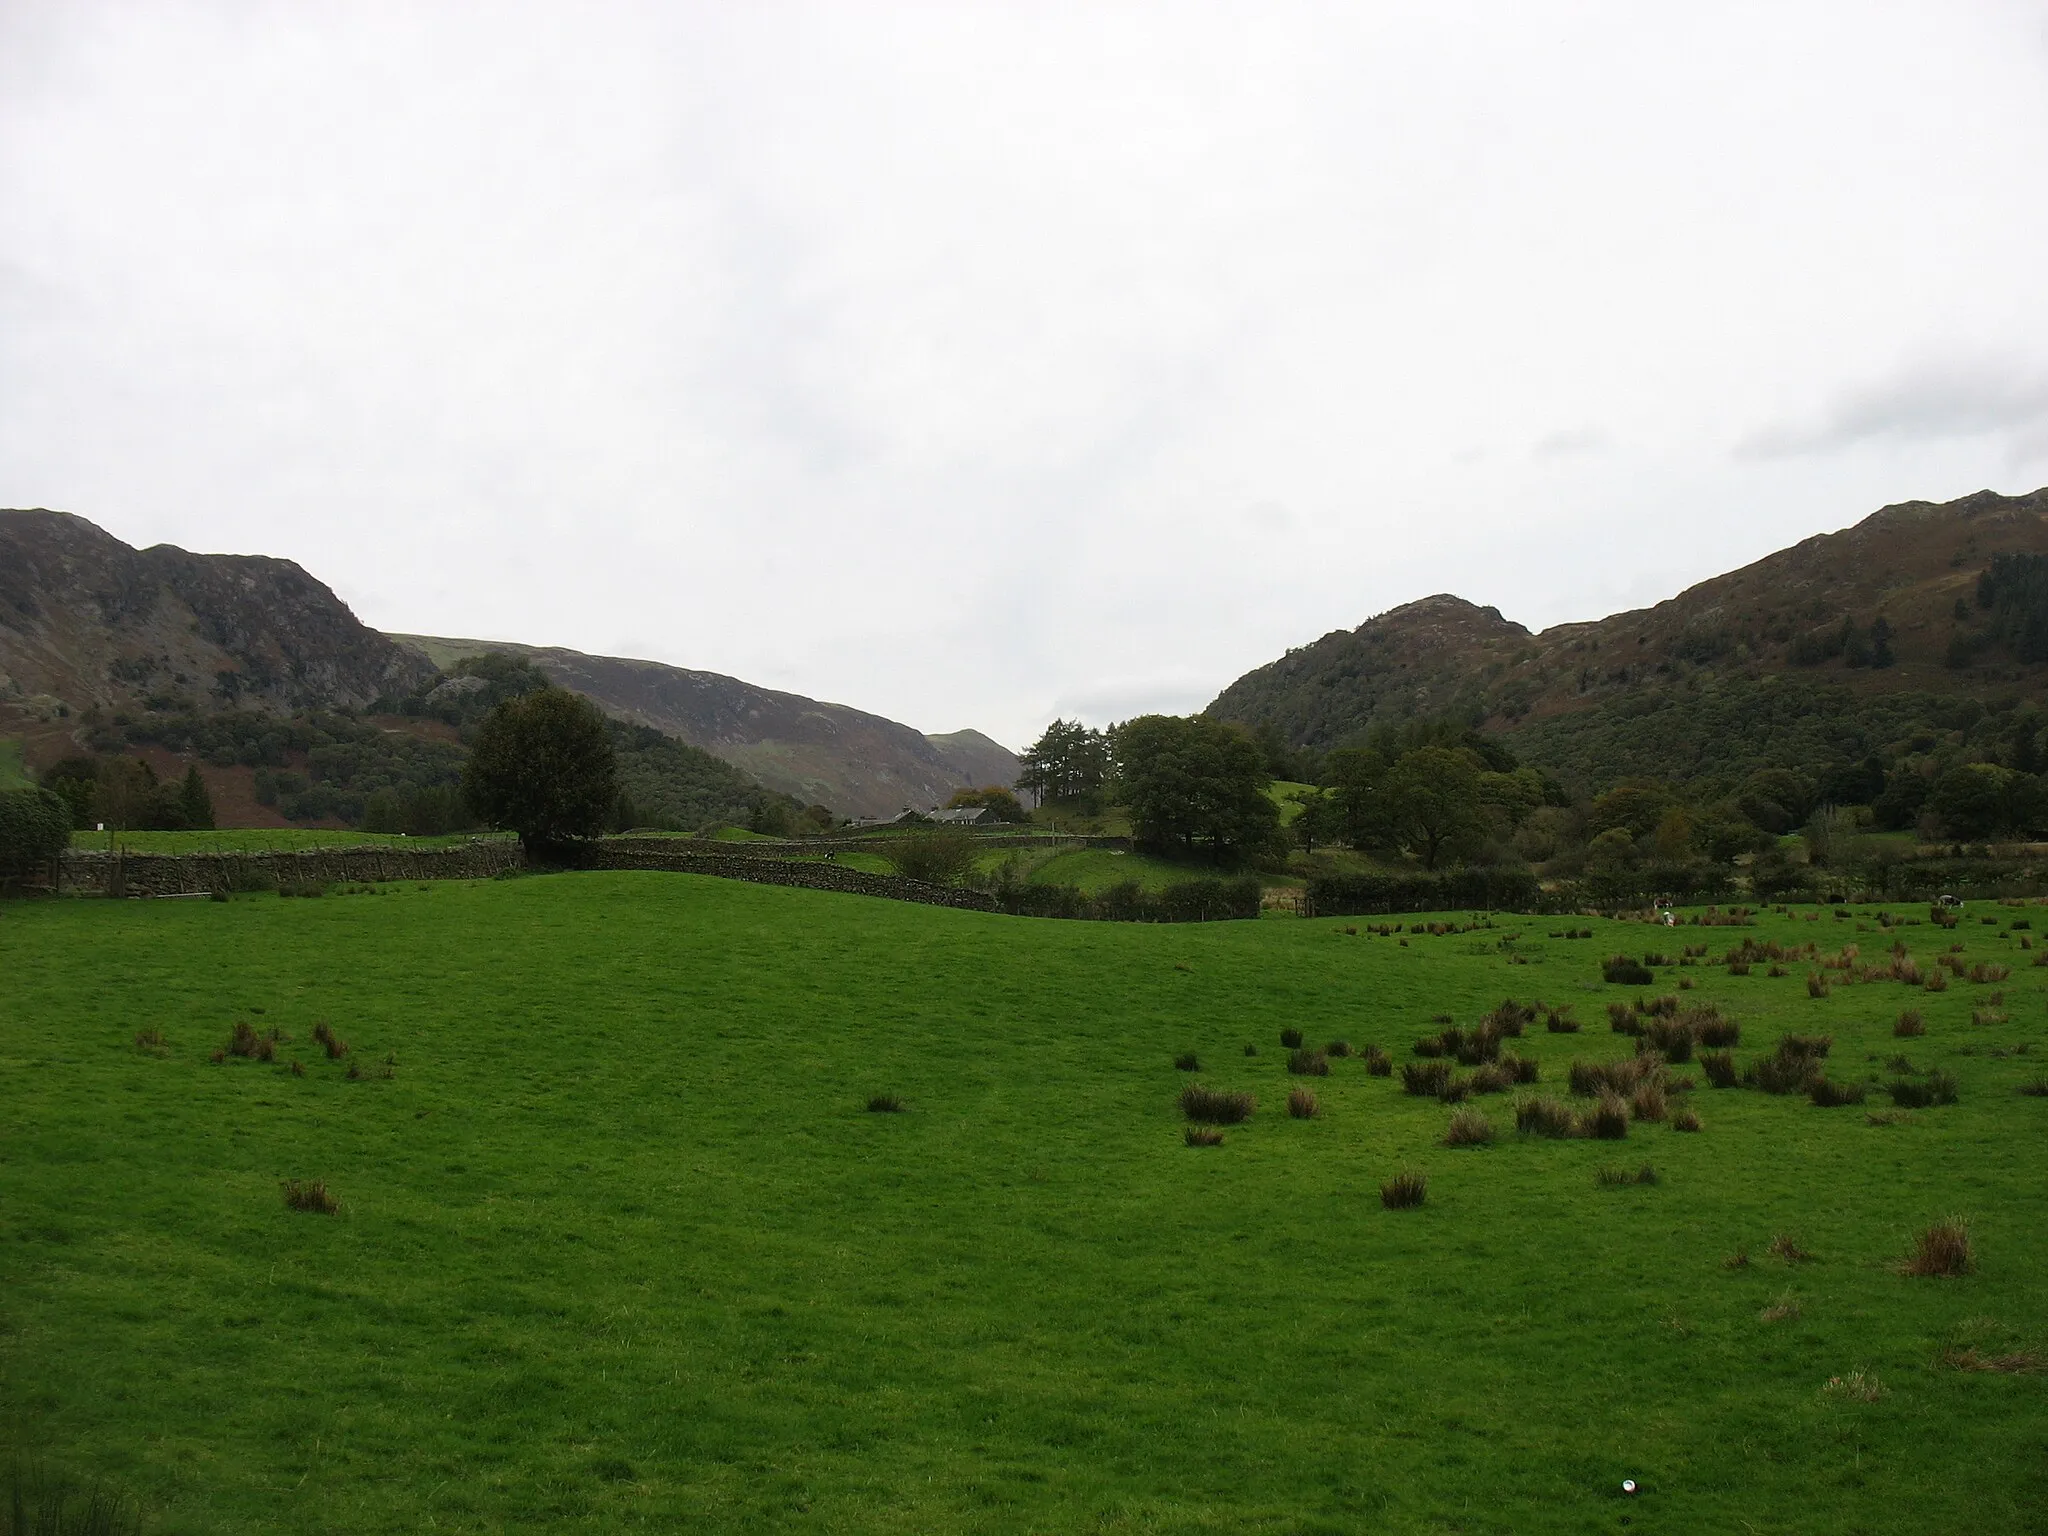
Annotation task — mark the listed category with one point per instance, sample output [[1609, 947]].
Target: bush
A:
[[1714, 1031], [1521, 1069], [1377, 1062], [1490, 1079], [1474, 888], [935, 858], [543, 766], [1338, 1048], [35, 827], [1939, 1088], [1685, 1120], [1559, 1021], [334, 1045], [1202, 1136], [1673, 1037], [1624, 1020], [1216, 1106], [1291, 1039], [1909, 1024], [1942, 1250], [1187, 1061], [1404, 1191], [1543, 1117], [1816, 984], [1308, 1064], [1468, 1128], [885, 1104], [1719, 1067], [1302, 1105], [1623, 971]]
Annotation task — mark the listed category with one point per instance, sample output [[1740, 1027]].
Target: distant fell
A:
[[826, 754], [1889, 606]]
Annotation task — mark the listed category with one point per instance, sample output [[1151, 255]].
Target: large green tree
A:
[[1433, 794], [1069, 762], [1191, 782], [35, 826], [543, 767]]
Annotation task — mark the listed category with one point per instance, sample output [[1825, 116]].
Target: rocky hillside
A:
[[826, 754], [87, 621], [1886, 608]]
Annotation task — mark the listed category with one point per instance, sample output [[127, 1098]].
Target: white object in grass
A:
[[1628, 1485]]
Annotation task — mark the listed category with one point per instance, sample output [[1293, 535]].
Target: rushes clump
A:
[[1302, 1105], [1490, 1079], [885, 1104], [312, 1195], [1938, 1088], [1404, 1191], [1543, 1116], [335, 1046], [1606, 1120], [1216, 1106], [1425, 1079], [1827, 1094], [1649, 1103], [1909, 1024], [1942, 1251], [1468, 1128], [1719, 1067], [1786, 1247], [1378, 1063], [1290, 1039], [151, 1042], [1610, 1177], [1202, 1136], [1187, 1061], [244, 1040], [1685, 1120], [1305, 1063]]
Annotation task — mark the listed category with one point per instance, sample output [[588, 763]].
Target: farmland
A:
[[620, 1245]]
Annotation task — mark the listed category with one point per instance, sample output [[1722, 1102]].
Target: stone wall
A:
[[812, 847], [682, 856], [198, 874]]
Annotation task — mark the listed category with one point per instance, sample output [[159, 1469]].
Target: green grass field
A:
[[12, 774], [621, 1248]]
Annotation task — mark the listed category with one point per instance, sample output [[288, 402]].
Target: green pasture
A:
[[12, 774], [620, 1246]]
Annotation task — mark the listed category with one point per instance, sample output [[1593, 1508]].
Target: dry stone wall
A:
[[713, 859], [200, 874]]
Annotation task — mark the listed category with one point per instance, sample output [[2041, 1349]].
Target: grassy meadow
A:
[[621, 1246], [266, 840]]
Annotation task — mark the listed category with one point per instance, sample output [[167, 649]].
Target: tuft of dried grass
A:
[[1543, 1116], [151, 1042], [298, 1068], [1187, 1061], [1338, 1049], [311, 1195], [1290, 1039], [1216, 1106], [1783, 1310], [1649, 1103], [1685, 1120], [1609, 1178], [1719, 1067], [1937, 981], [1857, 1386], [1828, 1094], [1784, 1246], [1302, 1105], [1305, 1063], [1425, 1079], [1816, 984], [1606, 1120], [1404, 1191], [885, 1104], [1909, 1024], [1468, 1128], [1942, 1251], [1378, 1063], [1202, 1136], [1490, 1079], [324, 1035], [1739, 1259]]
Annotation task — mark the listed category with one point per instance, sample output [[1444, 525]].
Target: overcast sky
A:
[[974, 363]]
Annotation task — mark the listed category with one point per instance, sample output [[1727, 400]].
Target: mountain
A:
[[826, 754], [95, 623], [1823, 647]]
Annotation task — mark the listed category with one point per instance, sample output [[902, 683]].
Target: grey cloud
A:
[[1923, 401]]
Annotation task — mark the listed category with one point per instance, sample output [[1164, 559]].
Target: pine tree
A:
[[195, 805]]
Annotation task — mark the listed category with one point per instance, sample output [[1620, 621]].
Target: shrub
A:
[[1301, 1105], [1738, 967], [1685, 1120], [1250, 1049], [1909, 1024], [1625, 972], [1543, 1116], [1714, 1031], [266, 1049], [1216, 1106], [1623, 1020], [1649, 1103], [35, 828], [885, 1104], [1983, 972], [1378, 1062], [1424, 1079], [1606, 1120], [312, 1196], [2037, 1089], [1827, 1094], [1942, 1250], [1202, 1136], [1719, 1067], [1522, 1069], [324, 1036], [1468, 1128], [1187, 1061], [1937, 981], [1290, 1039], [1430, 1046], [298, 1069], [1306, 1063], [1338, 1048], [1559, 1021], [1816, 984], [1404, 1191], [1455, 1090]]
